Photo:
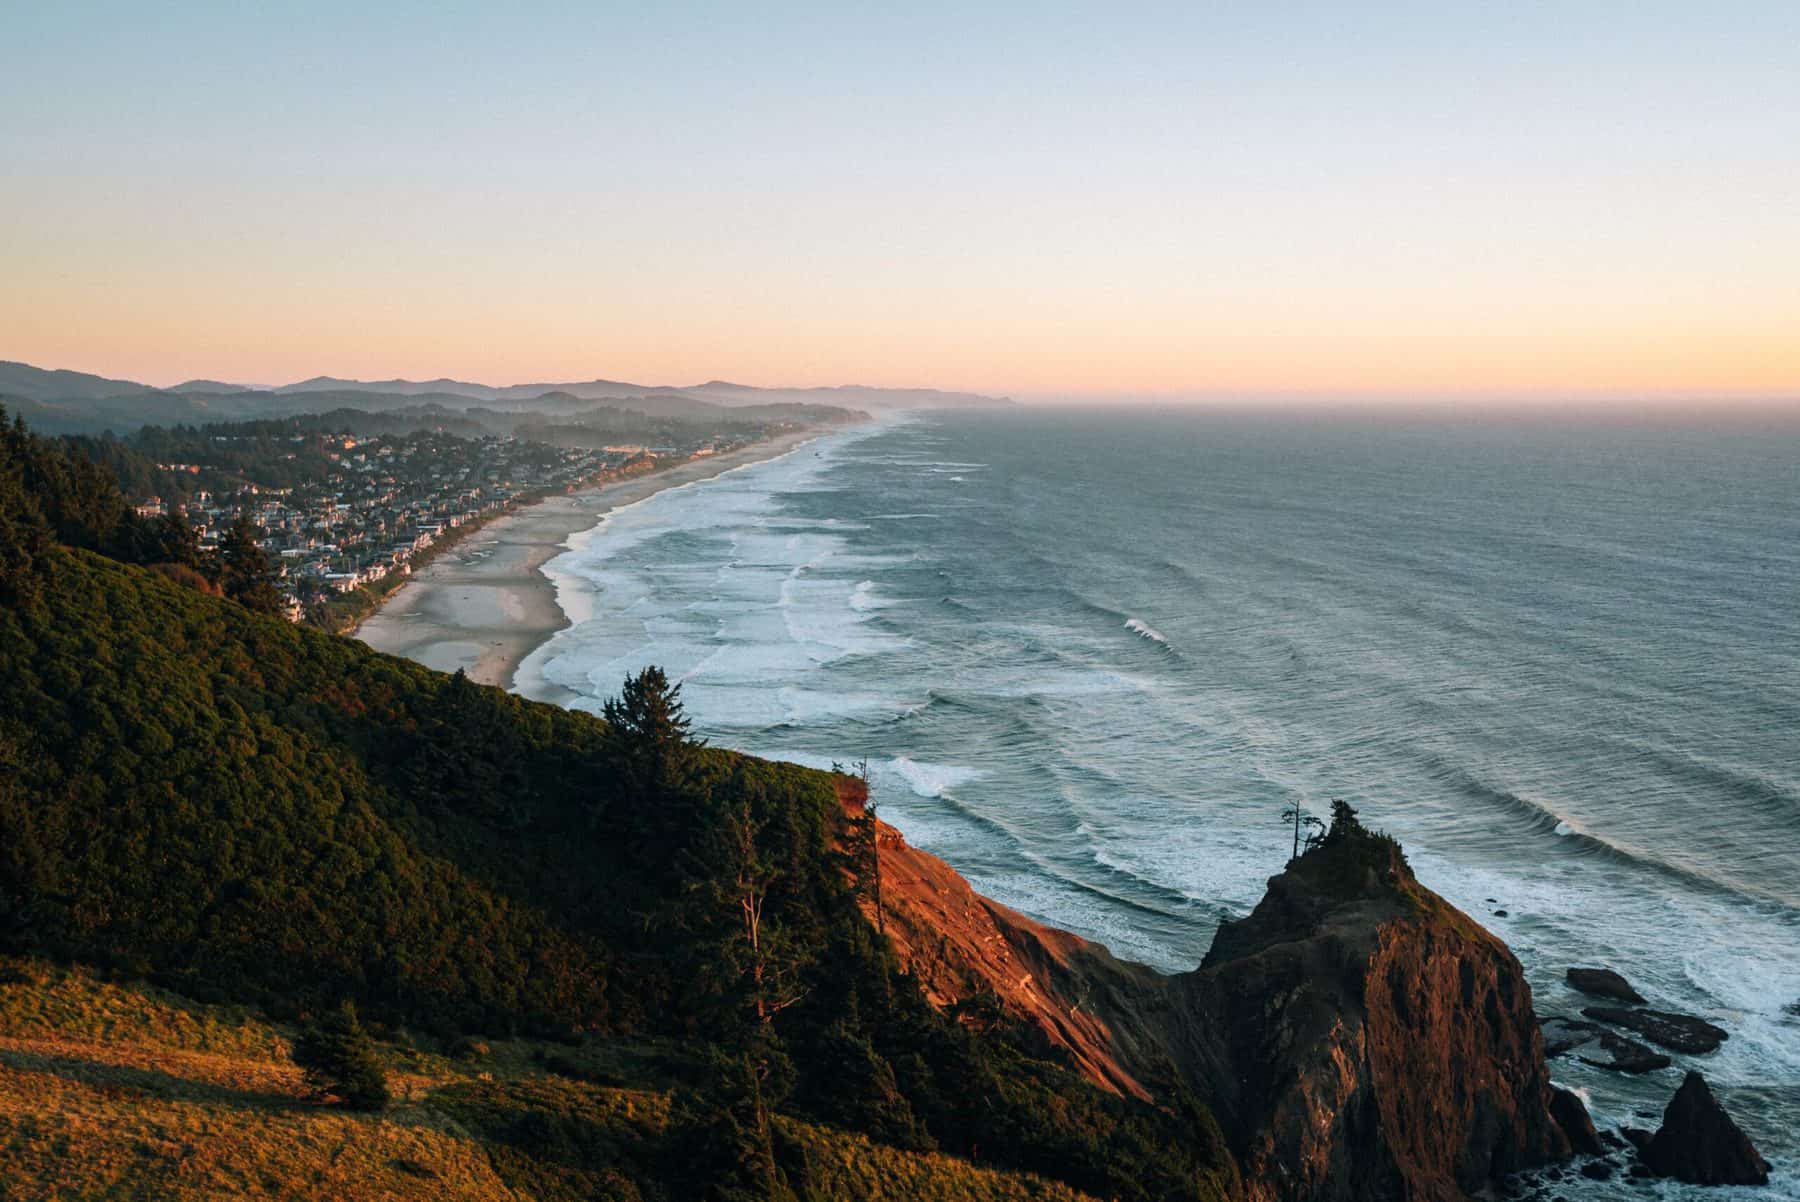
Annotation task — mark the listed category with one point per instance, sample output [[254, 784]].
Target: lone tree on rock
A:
[[1307, 829], [340, 1060]]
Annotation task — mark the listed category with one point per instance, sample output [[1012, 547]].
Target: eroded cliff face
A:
[[1356, 1035], [958, 944]]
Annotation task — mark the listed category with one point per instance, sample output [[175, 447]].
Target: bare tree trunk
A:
[[869, 810]]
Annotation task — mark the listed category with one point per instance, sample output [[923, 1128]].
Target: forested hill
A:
[[242, 810]]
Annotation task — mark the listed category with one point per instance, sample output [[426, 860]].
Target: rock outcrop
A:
[[1562, 1035], [1604, 982], [1590, 1042], [1626, 1055], [1356, 1036], [1571, 1115], [1677, 1032], [1367, 1039], [1698, 1142]]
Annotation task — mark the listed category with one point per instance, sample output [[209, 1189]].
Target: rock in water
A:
[[1698, 1143], [1566, 1034], [1677, 1032], [1604, 982], [1573, 1118], [1628, 1055]]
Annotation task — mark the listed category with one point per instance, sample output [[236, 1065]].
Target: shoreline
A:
[[486, 604]]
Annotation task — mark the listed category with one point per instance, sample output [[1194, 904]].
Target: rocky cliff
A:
[[1357, 1036]]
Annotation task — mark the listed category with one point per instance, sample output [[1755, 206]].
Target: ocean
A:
[[1091, 656]]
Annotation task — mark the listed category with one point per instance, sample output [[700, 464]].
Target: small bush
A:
[[340, 1060]]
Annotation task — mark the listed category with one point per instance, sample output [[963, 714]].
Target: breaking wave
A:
[[1143, 629]]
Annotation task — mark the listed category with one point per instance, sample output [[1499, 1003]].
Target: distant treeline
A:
[[63, 491]]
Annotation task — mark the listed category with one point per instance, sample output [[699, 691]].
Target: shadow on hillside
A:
[[155, 1082]]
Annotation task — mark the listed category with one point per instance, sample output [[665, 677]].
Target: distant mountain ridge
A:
[[720, 392], [45, 384], [219, 386], [77, 402]]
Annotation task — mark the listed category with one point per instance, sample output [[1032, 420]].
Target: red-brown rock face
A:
[[1364, 1039], [1357, 1037]]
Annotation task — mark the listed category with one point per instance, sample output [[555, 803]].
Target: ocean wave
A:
[[863, 598], [929, 776], [1179, 902], [1173, 900], [1741, 787], [931, 465], [1144, 630], [931, 780], [1541, 819]]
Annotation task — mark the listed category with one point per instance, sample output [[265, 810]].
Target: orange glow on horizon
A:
[[252, 345]]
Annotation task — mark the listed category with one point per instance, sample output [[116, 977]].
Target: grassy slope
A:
[[247, 812], [127, 1091], [205, 787]]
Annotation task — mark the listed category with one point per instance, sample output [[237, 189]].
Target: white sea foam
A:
[[714, 583], [863, 598], [931, 780], [1145, 630]]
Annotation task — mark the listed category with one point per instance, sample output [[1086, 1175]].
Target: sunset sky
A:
[[1407, 200]]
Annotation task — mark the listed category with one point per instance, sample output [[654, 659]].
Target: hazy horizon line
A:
[[1359, 396]]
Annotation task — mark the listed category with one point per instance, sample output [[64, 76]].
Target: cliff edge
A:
[[1357, 1036]]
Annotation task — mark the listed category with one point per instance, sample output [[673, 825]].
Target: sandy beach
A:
[[485, 604]]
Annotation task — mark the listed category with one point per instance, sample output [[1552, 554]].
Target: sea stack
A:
[[1700, 1144], [1356, 1035], [1363, 1038]]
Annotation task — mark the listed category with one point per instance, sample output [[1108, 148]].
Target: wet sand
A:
[[484, 604]]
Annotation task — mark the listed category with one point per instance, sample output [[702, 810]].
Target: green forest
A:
[[237, 809]]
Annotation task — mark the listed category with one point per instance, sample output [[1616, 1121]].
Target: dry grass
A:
[[65, 1139], [840, 1165], [39, 999], [127, 1091], [124, 1091]]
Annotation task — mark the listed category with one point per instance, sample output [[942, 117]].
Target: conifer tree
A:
[[729, 1134], [647, 736], [176, 541], [339, 1060], [24, 538], [245, 572]]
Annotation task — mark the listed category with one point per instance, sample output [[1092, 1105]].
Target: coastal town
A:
[[340, 513]]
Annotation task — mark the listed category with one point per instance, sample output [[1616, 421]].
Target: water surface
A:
[[1092, 656]]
